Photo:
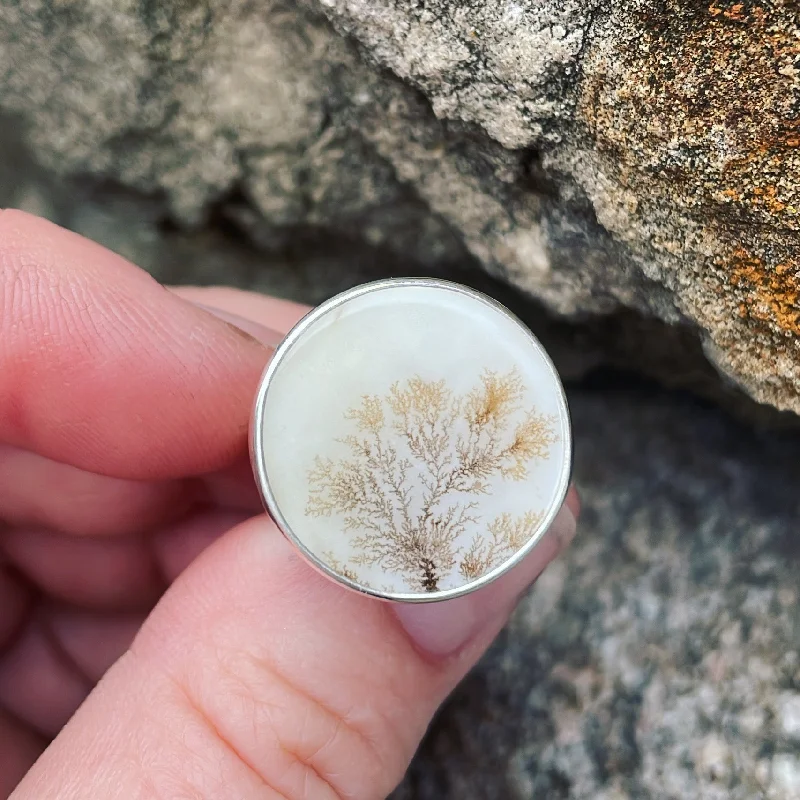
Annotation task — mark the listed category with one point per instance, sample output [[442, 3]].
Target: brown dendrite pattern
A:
[[418, 461]]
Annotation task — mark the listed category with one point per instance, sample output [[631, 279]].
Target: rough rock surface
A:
[[601, 156], [660, 658]]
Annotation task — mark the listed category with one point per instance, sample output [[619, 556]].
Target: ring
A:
[[411, 438]]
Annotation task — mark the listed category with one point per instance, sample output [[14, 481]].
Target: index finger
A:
[[104, 369]]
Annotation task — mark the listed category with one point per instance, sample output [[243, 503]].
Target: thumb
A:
[[256, 677]]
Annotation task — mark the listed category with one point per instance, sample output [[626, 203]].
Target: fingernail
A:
[[260, 333], [442, 629], [573, 501]]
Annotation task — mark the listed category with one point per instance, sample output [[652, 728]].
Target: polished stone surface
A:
[[415, 438]]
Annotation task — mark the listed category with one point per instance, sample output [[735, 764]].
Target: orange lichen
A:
[[769, 294], [703, 105], [694, 109]]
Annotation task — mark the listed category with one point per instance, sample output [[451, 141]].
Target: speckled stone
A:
[[661, 657]]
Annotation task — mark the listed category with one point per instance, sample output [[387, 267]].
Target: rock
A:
[[713, 760], [785, 783], [649, 660], [623, 160], [788, 714]]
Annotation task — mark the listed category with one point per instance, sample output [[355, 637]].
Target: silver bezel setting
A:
[[262, 478]]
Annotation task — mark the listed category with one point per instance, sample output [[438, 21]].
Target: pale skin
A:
[[159, 638]]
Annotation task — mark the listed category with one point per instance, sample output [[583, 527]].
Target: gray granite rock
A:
[[661, 657], [600, 157]]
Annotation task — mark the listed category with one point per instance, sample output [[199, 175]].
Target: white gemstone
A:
[[413, 438]]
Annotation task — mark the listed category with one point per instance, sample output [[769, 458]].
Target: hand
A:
[[124, 477]]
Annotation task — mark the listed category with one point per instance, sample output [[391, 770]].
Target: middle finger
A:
[[35, 491]]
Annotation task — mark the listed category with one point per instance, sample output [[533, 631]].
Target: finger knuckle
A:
[[297, 744]]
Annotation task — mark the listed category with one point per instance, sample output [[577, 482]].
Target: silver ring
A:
[[411, 438]]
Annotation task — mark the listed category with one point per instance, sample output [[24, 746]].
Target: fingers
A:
[[108, 573], [15, 600], [257, 677], [103, 573], [178, 545], [37, 684], [92, 642], [52, 653], [102, 368], [19, 748], [36, 491], [39, 338], [280, 315]]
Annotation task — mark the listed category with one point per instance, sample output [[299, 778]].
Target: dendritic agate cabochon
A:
[[414, 438]]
